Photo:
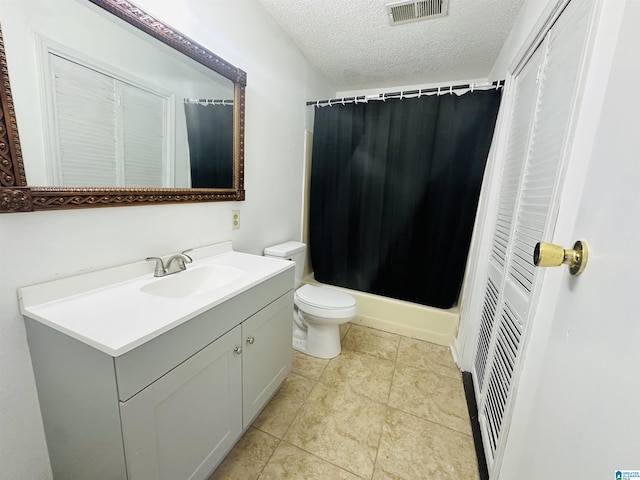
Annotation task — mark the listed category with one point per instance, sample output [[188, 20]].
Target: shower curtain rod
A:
[[208, 101], [408, 93]]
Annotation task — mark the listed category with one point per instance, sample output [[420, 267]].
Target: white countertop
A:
[[107, 310]]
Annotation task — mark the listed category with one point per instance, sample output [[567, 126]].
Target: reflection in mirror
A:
[[153, 118], [210, 141], [123, 126]]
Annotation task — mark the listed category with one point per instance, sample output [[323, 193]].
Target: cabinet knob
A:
[[238, 350], [250, 340]]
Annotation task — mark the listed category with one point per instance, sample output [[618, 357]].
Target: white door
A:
[[578, 411]]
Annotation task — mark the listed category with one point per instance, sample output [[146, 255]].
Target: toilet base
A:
[[321, 341]]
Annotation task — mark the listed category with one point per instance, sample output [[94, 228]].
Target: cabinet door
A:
[[266, 359], [182, 425]]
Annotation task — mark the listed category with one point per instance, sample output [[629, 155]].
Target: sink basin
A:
[[193, 281]]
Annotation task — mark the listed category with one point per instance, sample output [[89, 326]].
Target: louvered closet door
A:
[[495, 360], [539, 135], [85, 131], [144, 131], [107, 132]]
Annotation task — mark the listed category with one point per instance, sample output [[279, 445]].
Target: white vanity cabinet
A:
[[172, 407], [182, 424]]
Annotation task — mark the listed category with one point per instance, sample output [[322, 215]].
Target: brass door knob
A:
[[551, 255]]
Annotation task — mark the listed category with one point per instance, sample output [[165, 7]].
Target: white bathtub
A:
[[404, 318]]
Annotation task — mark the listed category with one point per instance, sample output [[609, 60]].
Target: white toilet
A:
[[318, 311]]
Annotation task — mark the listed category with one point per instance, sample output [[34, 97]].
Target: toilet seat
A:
[[325, 302]]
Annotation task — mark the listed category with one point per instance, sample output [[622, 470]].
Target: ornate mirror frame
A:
[[17, 196]]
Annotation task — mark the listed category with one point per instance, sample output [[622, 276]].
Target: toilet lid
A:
[[324, 297]]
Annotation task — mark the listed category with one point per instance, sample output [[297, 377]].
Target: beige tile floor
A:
[[388, 407]]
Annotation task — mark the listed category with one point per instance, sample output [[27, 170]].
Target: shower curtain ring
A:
[[450, 89]]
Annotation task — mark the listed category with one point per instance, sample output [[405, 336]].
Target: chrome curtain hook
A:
[[450, 89]]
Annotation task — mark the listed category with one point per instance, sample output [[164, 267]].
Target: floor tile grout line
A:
[[371, 354], [319, 381], [431, 370], [449, 427], [431, 421], [413, 414], [311, 453], [398, 349], [384, 421], [280, 440], [270, 456], [325, 460], [304, 402]]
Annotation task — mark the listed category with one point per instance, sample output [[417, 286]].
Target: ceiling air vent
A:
[[406, 12]]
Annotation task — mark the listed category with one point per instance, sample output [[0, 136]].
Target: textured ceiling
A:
[[352, 43]]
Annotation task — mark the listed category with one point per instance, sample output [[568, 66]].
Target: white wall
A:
[[528, 17], [43, 245]]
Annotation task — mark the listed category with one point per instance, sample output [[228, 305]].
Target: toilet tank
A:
[[294, 251]]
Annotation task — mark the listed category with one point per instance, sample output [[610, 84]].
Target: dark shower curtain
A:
[[394, 191], [210, 136]]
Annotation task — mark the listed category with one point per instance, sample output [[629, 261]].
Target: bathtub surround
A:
[[394, 190]]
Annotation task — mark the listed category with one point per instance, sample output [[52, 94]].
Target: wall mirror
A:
[[153, 118]]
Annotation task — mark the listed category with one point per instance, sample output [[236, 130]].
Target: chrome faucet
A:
[[176, 263]]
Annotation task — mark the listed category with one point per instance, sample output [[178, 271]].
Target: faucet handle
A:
[[160, 270], [190, 260]]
